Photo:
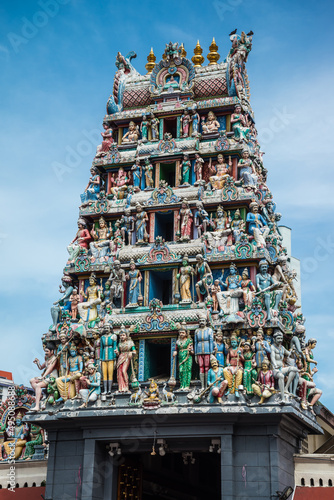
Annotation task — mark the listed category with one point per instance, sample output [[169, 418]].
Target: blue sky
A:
[[57, 66]]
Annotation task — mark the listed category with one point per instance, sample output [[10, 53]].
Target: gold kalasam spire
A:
[[183, 51], [213, 55], [150, 61], [197, 58]]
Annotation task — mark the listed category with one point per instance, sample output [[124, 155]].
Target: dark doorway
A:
[[167, 173], [164, 225], [170, 126], [157, 359], [161, 286]]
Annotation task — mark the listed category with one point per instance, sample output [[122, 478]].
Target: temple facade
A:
[[177, 363]]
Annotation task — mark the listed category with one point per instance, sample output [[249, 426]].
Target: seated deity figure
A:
[[108, 140], [92, 189], [235, 366], [119, 184], [240, 125], [80, 242], [16, 440], [216, 381], [93, 381], [205, 277], [88, 310], [116, 279], [49, 368], [238, 226], [247, 172], [257, 226], [101, 234], [69, 384], [280, 372], [132, 135], [264, 387], [211, 124], [229, 299], [266, 285], [220, 172], [221, 236]]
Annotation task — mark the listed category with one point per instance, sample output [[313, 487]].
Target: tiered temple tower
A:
[[177, 347]]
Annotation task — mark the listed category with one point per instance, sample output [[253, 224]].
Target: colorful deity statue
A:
[[195, 122], [185, 123], [62, 353], [93, 382], [240, 124], [127, 226], [140, 224], [136, 174], [264, 387], [135, 278], [107, 142], [220, 349], [216, 381], [144, 126], [17, 437], [281, 372], [184, 349], [119, 184], [88, 310], [185, 218], [62, 304], [185, 170], [211, 124], [205, 277], [221, 235], [220, 172], [36, 438], [108, 350], [74, 299], [148, 169], [154, 127], [204, 347], [92, 189], [247, 172], [214, 289], [250, 373], [117, 280], [152, 395], [229, 299], [184, 276], [198, 168], [233, 372], [262, 348], [132, 135], [257, 226], [101, 235], [238, 226], [125, 351], [266, 285], [202, 220], [69, 384], [49, 368], [248, 289], [80, 242]]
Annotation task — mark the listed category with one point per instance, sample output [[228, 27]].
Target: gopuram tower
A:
[[176, 365]]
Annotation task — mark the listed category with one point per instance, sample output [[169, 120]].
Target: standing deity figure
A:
[[116, 280], [75, 300], [95, 349], [144, 126], [108, 140], [265, 283], [264, 387], [125, 351], [69, 384], [220, 172], [229, 299], [17, 439], [220, 349], [240, 125], [184, 275], [272, 217], [211, 124], [257, 226], [250, 373], [205, 277], [108, 350], [234, 370], [216, 381], [204, 347], [93, 382], [284, 277], [198, 168], [184, 348], [135, 278], [248, 289], [185, 122], [136, 174], [132, 134], [127, 226], [92, 189], [247, 172], [201, 219], [185, 170], [49, 368], [214, 289], [262, 348], [185, 219], [101, 234], [238, 226], [280, 372], [195, 122], [62, 354], [310, 391], [62, 304], [80, 242], [155, 122], [88, 310], [148, 168], [141, 221]]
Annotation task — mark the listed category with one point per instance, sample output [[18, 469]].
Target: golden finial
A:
[[198, 59], [150, 61], [213, 55], [183, 51]]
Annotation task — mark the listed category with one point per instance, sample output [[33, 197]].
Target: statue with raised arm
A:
[[257, 226], [62, 304], [49, 368], [266, 286]]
